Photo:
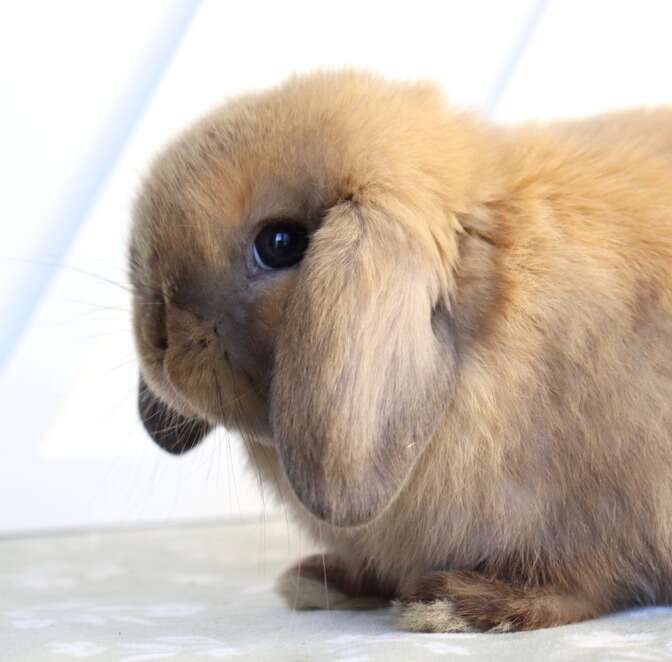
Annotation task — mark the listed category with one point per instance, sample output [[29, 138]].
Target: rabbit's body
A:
[[554, 460], [481, 426]]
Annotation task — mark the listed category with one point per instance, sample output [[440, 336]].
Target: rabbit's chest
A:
[[418, 538]]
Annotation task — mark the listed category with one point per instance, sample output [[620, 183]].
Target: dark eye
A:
[[279, 245]]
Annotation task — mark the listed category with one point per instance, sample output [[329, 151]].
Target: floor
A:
[[205, 593]]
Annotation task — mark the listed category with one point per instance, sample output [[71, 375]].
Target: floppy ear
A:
[[171, 431], [364, 367]]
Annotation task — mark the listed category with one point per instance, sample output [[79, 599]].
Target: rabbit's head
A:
[[293, 258]]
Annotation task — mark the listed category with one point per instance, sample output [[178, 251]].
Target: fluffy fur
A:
[[465, 388]]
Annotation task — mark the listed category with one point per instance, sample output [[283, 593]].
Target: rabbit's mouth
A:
[[191, 382]]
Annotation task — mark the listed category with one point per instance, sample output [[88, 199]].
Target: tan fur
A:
[[471, 368]]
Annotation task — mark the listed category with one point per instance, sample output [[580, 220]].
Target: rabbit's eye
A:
[[279, 245]]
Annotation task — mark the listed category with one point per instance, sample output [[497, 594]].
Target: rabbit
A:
[[445, 343]]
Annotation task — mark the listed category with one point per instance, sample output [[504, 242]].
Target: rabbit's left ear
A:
[[170, 430], [364, 364]]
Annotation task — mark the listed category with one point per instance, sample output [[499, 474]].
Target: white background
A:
[[91, 89]]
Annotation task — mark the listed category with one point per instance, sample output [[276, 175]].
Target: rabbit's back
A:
[[649, 129]]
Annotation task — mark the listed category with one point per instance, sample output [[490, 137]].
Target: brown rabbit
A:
[[447, 345]]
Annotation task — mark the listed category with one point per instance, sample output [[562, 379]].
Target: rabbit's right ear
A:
[[364, 364]]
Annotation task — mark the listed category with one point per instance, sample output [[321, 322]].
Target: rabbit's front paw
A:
[[322, 581]]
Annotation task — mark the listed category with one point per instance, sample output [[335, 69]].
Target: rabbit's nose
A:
[[205, 307], [200, 297], [187, 326], [225, 325]]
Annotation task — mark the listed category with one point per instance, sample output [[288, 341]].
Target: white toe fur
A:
[[308, 593], [438, 616]]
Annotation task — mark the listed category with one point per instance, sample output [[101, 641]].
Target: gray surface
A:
[[205, 593]]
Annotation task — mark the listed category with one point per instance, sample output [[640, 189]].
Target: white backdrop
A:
[[90, 90]]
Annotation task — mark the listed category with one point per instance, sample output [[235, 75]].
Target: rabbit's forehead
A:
[[236, 198], [211, 191]]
